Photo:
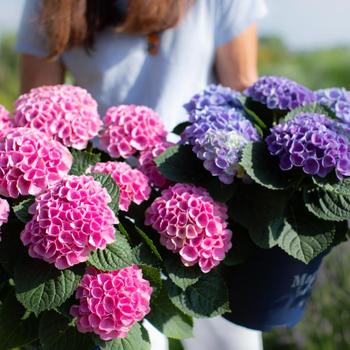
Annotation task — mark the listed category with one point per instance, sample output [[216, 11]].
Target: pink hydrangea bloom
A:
[[4, 212], [133, 184], [129, 129], [111, 302], [67, 113], [70, 220], [30, 161], [149, 167], [192, 224], [5, 121]]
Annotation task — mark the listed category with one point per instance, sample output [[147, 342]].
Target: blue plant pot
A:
[[270, 290]]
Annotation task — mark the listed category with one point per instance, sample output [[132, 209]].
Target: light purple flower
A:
[[280, 93], [214, 95], [338, 100]]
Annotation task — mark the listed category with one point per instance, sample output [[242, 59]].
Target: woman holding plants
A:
[[156, 53]]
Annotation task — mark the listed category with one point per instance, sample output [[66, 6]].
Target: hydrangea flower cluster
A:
[[218, 118], [67, 113], [280, 93], [70, 220], [4, 212], [338, 100], [130, 128], [218, 137], [148, 166], [192, 224], [214, 95], [221, 152], [30, 161], [312, 142], [5, 121], [133, 184], [110, 303]]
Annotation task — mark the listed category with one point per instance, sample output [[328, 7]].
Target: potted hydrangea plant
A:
[[279, 157], [107, 224]]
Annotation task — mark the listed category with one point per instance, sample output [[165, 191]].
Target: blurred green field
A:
[[326, 325]]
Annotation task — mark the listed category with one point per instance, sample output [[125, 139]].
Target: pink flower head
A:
[[70, 220], [110, 303], [129, 129], [4, 211], [192, 224], [30, 162], [67, 113], [149, 167], [5, 121], [133, 184]]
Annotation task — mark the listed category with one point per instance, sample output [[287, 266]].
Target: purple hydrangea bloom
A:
[[218, 136], [338, 100], [217, 118], [280, 93], [214, 95], [221, 152], [312, 142]]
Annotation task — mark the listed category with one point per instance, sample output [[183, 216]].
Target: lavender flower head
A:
[[221, 151], [338, 100], [214, 95], [280, 93], [217, 118], [218, 136], [312, 142]]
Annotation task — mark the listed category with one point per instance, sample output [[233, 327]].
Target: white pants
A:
[[211, 334]]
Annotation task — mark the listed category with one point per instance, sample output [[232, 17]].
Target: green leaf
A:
[[263, 168], [175, 344], [331, 183], [116, 255], [312, 108], [207, 298], [40, 286], [153, 275], [326, 205], [168, 319], [242, 247], [82, 160], [112, 188], [180, 164], [144, 256], [16, 330], [134, 341], [149, 243], [145, 338], [181, 275], [21, 210], [253, 117], [268, 209], [57, 334], [304, 236], [179, 129]]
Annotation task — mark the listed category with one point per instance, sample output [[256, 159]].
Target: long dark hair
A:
[[75, 22]]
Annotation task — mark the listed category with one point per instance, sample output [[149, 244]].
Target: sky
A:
[[303, 24]]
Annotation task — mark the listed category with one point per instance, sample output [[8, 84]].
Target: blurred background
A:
[[308, 41]]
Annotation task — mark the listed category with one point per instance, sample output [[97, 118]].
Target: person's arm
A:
[[37, 71], [236, 61]]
